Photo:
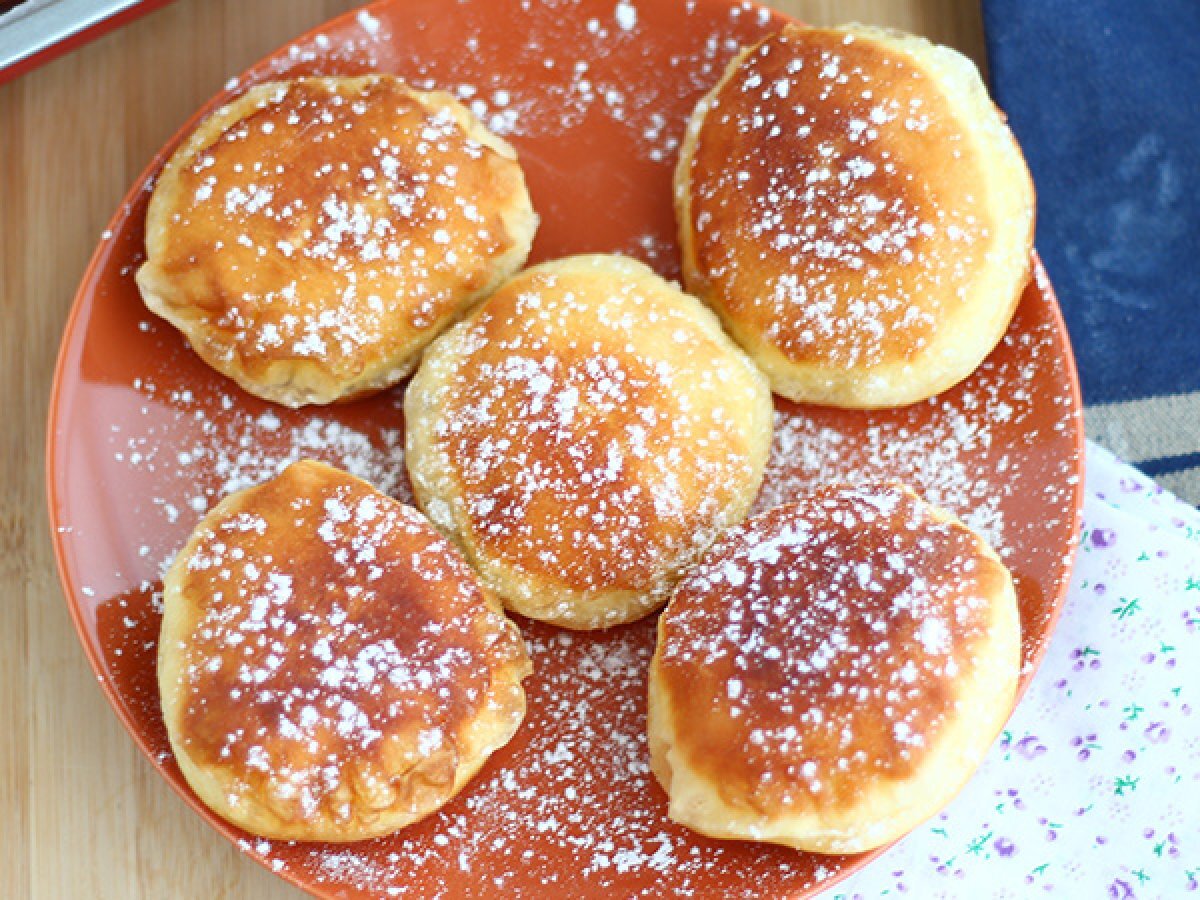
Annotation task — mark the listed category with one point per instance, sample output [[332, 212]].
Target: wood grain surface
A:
[[84, 815]]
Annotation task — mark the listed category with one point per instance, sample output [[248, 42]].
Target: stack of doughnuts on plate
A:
[[585, 441]]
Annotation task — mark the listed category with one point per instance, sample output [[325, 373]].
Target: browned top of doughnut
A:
[[329, 220], [818, 648], [835, 205], [600, 424], [336, 647]]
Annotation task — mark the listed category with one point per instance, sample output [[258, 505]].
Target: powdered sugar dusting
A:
[[932, 457], [199, 449], [626, 15], [945, 447], [570, 59], [576, 800]]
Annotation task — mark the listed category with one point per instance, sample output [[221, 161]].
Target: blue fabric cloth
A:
[[1104, 96]]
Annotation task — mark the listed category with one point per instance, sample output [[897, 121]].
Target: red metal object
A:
[[79, 38]]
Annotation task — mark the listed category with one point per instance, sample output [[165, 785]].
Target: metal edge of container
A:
[[24, 35]]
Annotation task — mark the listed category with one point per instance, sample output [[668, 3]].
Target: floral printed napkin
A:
[[1094, 788]]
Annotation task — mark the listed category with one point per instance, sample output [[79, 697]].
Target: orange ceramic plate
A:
[[144, 437]]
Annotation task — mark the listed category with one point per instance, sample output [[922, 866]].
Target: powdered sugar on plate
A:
[[196, 446], [952, 457], [575, 800]]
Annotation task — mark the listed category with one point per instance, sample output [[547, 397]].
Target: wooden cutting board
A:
[[84, 815]]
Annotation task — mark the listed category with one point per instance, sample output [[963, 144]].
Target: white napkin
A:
[[1093, 790]]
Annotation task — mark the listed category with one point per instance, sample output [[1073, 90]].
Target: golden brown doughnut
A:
[[832, 672], [853, 206], [312, 236], [330, 667], [584, 435]]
